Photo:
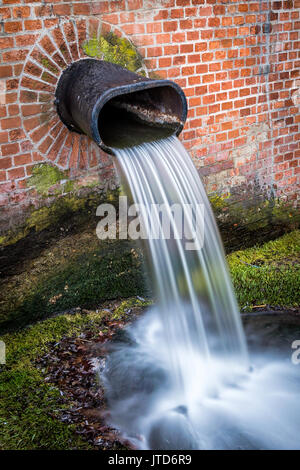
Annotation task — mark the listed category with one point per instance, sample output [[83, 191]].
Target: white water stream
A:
[[182, 377]]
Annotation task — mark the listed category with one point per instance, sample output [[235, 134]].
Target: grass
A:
[[268, 274]]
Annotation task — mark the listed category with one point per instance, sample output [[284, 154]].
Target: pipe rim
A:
[[132, 88]]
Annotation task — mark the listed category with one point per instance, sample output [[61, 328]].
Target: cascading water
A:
[[181, 378]]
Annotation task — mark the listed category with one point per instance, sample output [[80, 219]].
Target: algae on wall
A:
[[44, 176], [116, 50], [244, 221], [58, 199]]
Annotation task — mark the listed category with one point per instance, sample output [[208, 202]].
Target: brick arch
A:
[[55, 50]]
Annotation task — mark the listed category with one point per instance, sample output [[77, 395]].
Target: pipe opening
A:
[[141, 116]]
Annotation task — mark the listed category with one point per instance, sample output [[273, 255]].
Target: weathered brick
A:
[[16, 134], [38, 134], [154, 51], [6, 71], [10, 123], [16, 173], [13, 109], [5, 163], [46, 144], [135, 4], [81, 8], [3, 111], [32, 25], [62, 9], [6, 43], [170, 26], [13, 27], [21, 12], [36, 85]]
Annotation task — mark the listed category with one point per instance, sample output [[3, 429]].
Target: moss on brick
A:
[[244, 221], [32, 408], [255, 215], [47, 65], [59, 208], [116, 50], [44, 176]]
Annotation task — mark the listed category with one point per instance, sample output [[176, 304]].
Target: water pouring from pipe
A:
[[181, 377]]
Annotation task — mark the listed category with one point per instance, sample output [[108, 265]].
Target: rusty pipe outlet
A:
[[118, 108]]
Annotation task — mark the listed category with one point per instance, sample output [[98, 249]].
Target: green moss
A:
[[244, 221], [268, 274], [44, 176], [128, 305], [219, 202], [114, 49], [30, 407], [47, 77], [47, 65], [257, 213], [61, 209], [70, 186], [13, 236]]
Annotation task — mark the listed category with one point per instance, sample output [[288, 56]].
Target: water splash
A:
[[181, 377]]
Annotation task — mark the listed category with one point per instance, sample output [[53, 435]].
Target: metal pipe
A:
[[118, 108]]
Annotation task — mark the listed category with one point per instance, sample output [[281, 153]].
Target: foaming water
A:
[[180, 379]]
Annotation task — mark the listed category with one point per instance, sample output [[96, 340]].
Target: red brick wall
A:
[[237, 61]]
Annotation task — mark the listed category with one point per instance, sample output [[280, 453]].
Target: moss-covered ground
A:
[[30, 406], [78, 271], [268, 275]]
